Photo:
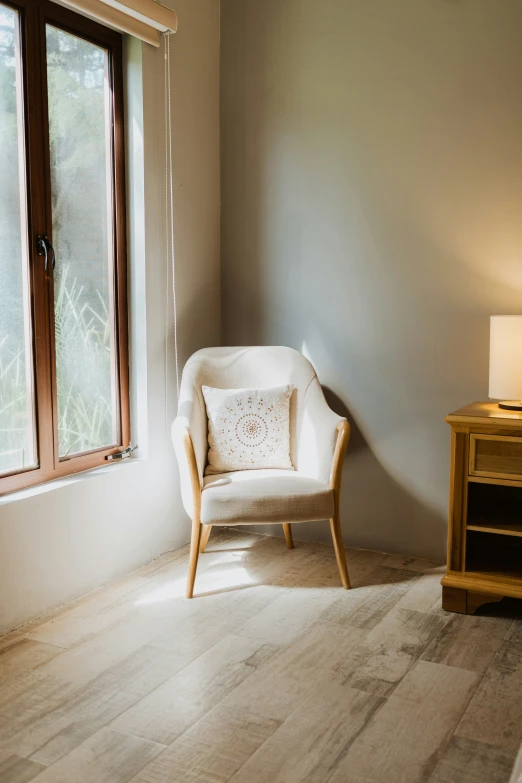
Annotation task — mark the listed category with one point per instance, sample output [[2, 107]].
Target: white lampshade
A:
[[505, 357]]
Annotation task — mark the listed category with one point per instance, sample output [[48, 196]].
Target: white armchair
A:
[[318, 441]]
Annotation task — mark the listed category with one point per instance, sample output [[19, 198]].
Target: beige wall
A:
[[73, 537], [371, 197]]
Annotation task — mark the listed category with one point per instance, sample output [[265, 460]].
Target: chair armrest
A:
[[322, 438], [341, 444], [190, 480]]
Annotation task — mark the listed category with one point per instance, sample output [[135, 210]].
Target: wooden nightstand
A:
[[485, 507]]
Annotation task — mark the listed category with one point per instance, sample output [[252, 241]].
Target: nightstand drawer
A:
[[495, 456]]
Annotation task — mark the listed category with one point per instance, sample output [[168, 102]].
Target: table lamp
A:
[[505, 361]]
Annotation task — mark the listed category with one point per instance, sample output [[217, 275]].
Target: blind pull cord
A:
[[169, 232]]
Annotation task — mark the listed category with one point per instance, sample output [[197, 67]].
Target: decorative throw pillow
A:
[[248, 429]]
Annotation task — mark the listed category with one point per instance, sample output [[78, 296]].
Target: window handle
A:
[[43, 247]]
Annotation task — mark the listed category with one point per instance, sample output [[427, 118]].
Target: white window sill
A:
[[86, 475]]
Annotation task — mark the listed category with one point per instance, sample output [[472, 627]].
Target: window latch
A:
[[43, 248], [121, 455]]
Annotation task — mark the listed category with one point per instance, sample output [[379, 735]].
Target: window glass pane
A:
[[17, 431], [81, 165]]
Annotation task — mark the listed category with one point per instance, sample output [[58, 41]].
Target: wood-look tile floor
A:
[[271, 674]]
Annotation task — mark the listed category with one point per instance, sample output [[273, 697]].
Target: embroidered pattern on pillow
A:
[[248, 429]]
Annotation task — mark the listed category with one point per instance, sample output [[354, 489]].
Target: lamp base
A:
[[511, 405]]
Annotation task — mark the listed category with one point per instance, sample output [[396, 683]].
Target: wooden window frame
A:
[[33, 16]]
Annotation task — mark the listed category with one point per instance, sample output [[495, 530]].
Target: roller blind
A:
[[145, 19]]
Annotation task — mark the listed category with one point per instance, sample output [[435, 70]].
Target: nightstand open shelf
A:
[[490, 555], [485, 519], [494, 508]]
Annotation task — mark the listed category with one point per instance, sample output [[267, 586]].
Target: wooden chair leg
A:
[[287, 530], [194, 553], [204, 537], [335, 527]]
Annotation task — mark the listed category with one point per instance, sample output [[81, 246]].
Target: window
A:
[[63, 321]]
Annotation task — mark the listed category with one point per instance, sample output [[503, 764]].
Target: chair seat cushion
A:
[[264, 496]]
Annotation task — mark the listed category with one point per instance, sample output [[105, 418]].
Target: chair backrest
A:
[[233, 368]]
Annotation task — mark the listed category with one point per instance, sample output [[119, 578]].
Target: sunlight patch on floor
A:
[[227, 572]]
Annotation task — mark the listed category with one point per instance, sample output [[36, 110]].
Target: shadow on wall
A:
[[373, 499]]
